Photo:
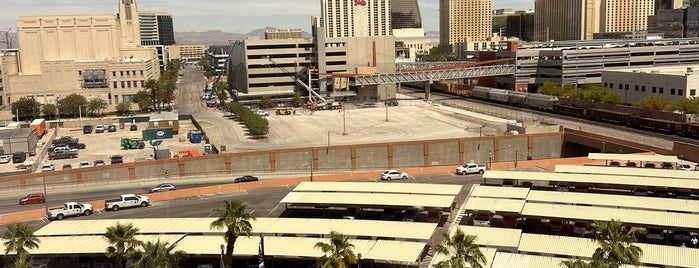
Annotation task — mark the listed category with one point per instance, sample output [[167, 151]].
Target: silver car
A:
[[163, 187]]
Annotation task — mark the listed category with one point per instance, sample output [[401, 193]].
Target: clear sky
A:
[[239, 16]]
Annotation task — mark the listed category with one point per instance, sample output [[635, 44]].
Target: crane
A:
[[313, 96], [218, 77]]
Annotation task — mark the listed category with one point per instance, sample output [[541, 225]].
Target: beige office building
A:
[[347, 18], [186, 53], [97, 56], [460, 20], [581, 19]]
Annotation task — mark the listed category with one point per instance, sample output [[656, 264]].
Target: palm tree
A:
[[235, 218], [158, 255], [578, 263], [459, 250], [615, 243], [21, 263], [122, 241], [19, 238], [338, 253]]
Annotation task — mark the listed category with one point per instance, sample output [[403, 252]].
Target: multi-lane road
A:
[[264, 201]]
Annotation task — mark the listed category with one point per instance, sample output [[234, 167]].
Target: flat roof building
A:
[[634, 84], [464, 19]]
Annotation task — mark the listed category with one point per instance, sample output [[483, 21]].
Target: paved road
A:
[[264, 202]]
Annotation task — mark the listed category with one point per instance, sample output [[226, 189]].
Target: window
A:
[[626, 87], [692, 92], [654, 90], [141, 72], [605, 84], [611, 85], [635, 88], [123, 84], [80, 73], [128, 84], [661, 91], [643, 88], [680, 91], [114, 73], [672, 91], [114, 84], [621, 86], [121, 73]]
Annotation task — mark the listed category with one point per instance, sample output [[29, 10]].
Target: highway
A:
[[263, 202]]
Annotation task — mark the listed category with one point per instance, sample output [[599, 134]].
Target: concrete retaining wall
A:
[[328, 159]]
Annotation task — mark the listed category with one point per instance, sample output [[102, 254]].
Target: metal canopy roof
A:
[[591, 178], [494, 204], [380, 250], [584, 247], [373, 187], [500, 192], [514, 260], [368, 199], [278, 226], [491, 236], [92, 244], [633, 216], [616, 201], [634, 157], [627, 171]]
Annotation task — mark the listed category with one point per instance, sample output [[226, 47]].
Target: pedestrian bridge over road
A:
[[433, 71]]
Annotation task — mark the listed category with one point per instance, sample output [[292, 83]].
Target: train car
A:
[[499, 95], [690, 130], [608, 116], [481, 93], [541, 101], [573, 111], [655, 124], [518, 98]]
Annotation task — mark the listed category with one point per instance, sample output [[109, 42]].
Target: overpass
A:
[[433, 71]]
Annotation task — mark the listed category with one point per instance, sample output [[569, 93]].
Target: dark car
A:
[[67, 166], [87, 129], [32, 199], [111, 128], [98, 162], [133, 127], [116, 159], [246, 178]]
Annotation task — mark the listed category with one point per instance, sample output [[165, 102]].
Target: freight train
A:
[[615, 114]]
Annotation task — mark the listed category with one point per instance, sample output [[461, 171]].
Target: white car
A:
[[47, 167], [262, 113], [163, 187], [84, 164], [393, 175], [5, 159], [684, 167]]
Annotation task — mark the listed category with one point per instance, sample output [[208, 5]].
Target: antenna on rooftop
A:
[[7, 39]]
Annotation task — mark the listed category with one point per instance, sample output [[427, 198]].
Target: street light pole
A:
[[46, 204], [311, 165], [80, 114], [343, 121], [359, 260]]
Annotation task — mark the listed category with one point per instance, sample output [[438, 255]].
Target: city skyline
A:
[[240, 17]]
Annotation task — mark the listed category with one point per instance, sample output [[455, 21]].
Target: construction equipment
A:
[[212, 92], [285, 111], [314, 99], [131, 143]]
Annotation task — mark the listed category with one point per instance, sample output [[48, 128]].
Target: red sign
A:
[[359, 3]]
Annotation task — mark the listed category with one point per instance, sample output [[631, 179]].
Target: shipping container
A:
[[40, 126], [157, 133]]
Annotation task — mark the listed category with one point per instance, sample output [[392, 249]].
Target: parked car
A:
[[70, 209], [99, 129], [133, 127], [116, 159], [684, 167], [246, 178], [393, 175], [262, 113], [47, 167], [163, 187], [98, 162], [111, 128], [67, 166], [4, 159], [32, 199], [126, 201], [84, 164], [470, 168], [87, 129]]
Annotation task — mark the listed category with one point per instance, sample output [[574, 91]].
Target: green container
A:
[[157, 133]]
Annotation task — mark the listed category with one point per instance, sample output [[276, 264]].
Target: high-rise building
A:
[[347, 18], [668, 4], [156, 28], [464, 19], [405, 14], [626, 15], [520, 26]]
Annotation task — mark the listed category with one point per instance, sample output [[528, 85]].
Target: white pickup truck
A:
[[70, 209], [470, 168], [126, 201]]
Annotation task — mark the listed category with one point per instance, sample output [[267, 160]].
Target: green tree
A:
[[338, 253], [95, 106], [687, 105], [152, 86], [21, 263], [123, 108], [577, 263], [235, 218], [221, 88], [655, 102], [615, 241], [206, 67], [20, 238], [459, 250], [266, 102], [49, 110], [27, 108], [143, 98], [296, 100], [550, 88], [122, 241], [158, 255], [71, 104]]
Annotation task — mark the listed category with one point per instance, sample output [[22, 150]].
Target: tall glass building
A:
[[405, 14]]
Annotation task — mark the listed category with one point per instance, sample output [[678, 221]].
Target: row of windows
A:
[[659, 90], [129, 84], [128, 73]]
